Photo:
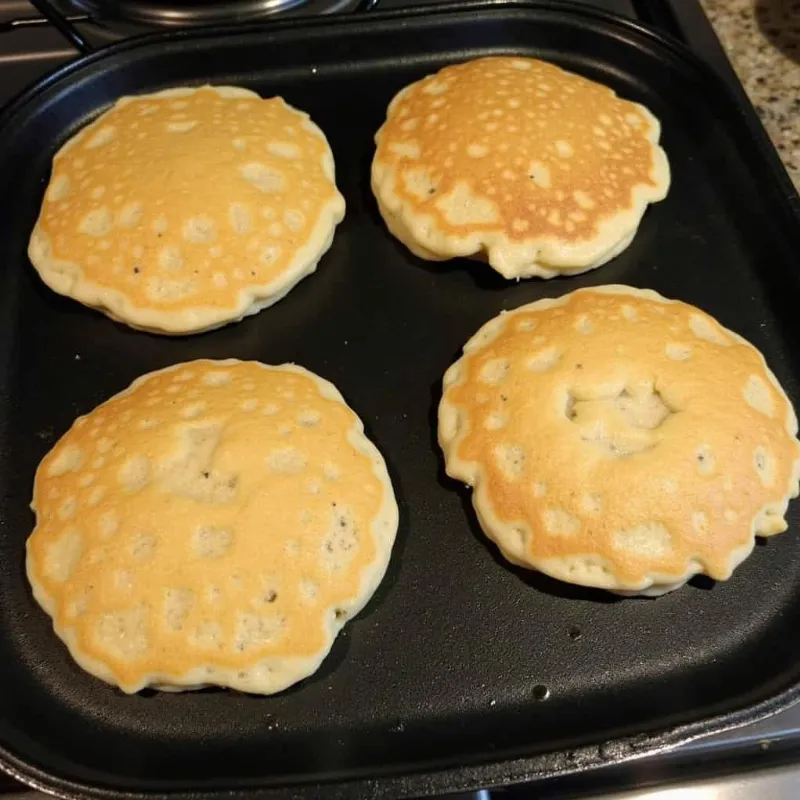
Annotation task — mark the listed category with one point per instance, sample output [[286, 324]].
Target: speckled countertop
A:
[[762, 39]]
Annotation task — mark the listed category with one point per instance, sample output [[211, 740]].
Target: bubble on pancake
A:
[[309, 418], [266, 179], [170, 259], [759, 396], [564, 149], [405, 149], [540, 174], [558, 522], [269, 255], [286, 460], [221, 377], [68, 458], [706, 460], [511, 460], [495, 421], [331, 471], [495, 372], [200, 229], [108, 523], [765, 466], [707, 330], [592, 503], [287, 150], [544, 360], [101, 137], [420, 183], [678, 352], [650, 539], [63, 555], [59, 188], [97, 222], [294, 219], [700, 522], [210, 541], [255, 631], [122, 635], [341, 540], [177, 606], [462, 206], [241, 219], [182, 127]]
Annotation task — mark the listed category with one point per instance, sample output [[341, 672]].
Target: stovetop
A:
[[715, 768]]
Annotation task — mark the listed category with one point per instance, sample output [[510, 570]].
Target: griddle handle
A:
[[63, 26]]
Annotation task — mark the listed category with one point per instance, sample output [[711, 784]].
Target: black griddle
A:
[[461, 672]]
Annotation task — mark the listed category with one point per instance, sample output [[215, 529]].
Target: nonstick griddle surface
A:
[[462, 671]]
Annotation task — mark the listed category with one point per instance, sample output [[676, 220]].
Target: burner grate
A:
[[112, 20], [184, 13]]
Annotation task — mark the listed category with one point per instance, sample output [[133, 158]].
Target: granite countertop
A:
[[762, 39]]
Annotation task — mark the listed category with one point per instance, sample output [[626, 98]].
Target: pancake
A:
[[617, 439], [184, 210], [216, 523], [517, 162]]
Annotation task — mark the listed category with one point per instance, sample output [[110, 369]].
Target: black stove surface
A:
[[30, 46]]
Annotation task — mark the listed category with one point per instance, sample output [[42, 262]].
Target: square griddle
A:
[[462, 672]]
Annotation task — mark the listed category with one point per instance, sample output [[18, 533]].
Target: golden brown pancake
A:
[[617, 439], [216, 523], [181, 211], [513, 160]]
